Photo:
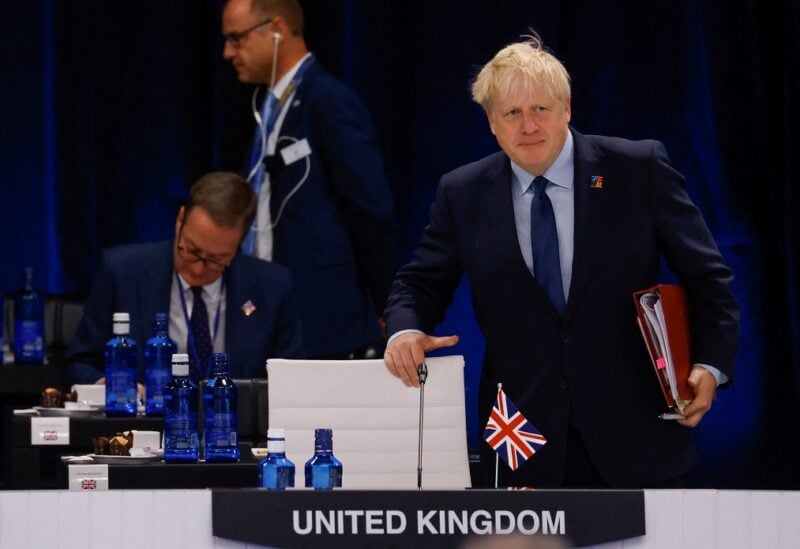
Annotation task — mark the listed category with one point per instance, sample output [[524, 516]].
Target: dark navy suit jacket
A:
[[337, 234], [137, 278], [590, 368]]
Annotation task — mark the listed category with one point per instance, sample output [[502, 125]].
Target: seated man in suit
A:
[[218, 300], [554, 233]]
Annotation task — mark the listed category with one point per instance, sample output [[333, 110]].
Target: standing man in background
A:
[[325, 207], [554, 233]]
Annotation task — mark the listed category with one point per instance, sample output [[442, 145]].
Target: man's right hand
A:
[[407, 351]]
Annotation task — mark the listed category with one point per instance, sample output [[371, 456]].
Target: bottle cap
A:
[[180, 364], [162, 317], [323, 439], [220, 364], [276, 441], [121, 324]]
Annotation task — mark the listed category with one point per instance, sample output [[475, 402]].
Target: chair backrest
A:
[[62, 314], [252, 408], [375, 420]]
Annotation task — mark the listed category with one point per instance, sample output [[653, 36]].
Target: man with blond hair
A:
[[554, 233]]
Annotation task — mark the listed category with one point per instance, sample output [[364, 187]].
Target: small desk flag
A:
[[512, 436]]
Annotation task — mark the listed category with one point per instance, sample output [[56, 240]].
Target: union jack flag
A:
[[512, 436]]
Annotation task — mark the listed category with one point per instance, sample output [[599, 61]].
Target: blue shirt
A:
[[561, 175]]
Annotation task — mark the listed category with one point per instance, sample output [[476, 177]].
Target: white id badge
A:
[[295, 151]]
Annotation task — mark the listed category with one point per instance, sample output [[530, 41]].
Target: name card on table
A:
[[49, 431], [88, 477], [423, 518]]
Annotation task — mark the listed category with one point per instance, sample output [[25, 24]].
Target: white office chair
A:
[[375, 420]]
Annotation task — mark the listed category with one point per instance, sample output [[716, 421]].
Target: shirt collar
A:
[[213, 290], [559, 173], [283, 83]]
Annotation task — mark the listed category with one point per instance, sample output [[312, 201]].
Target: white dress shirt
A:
[[214, 298]]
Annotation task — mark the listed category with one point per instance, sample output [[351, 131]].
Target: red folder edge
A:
[[676, 315]]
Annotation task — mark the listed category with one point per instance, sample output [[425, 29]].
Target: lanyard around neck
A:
[[287, 93]]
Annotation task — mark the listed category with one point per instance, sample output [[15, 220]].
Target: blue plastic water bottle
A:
[[28, 322], [121, 357], [221, 432], [276, 472], [181, 440], [323, 470], [158, 353]]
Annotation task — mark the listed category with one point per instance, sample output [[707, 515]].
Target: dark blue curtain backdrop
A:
[[111, 109]]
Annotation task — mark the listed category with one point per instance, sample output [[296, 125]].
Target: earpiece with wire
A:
[[254, 107], [276, 37], [262, 130], [297, 186]]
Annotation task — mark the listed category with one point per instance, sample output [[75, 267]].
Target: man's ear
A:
[[179, 220], [491, 122], [280, 27]]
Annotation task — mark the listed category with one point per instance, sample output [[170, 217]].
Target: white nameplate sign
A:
[[88, 477], [49, 431]]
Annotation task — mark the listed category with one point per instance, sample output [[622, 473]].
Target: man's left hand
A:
[[704, 386]]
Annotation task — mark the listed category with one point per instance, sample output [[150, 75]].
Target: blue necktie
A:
[[544, 242], [201, 334], [269, 115]]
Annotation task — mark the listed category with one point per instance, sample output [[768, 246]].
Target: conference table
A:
[[197, 519], [155, 504], [36, 464], [20, 387], [200, 505], [32, 463]]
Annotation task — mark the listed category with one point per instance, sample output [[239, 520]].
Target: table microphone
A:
[[422, 373]]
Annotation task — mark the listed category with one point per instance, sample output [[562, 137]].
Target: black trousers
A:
[[582, 473]]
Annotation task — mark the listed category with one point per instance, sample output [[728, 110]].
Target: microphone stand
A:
[[422, 373]]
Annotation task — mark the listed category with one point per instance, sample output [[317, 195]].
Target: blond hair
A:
[[528, 60]]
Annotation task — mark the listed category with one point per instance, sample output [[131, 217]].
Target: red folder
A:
[[672, 298]]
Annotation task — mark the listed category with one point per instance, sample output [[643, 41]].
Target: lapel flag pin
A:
[[296, 103], [248, 308], [597, 182]]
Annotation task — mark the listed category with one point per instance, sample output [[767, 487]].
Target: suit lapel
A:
[[235, 295], [588, 163], [292, 123], [154, 292], [284, 178]]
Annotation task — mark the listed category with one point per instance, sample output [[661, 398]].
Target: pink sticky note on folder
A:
[[661, 363]]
